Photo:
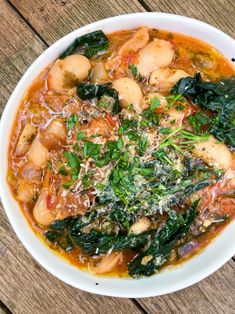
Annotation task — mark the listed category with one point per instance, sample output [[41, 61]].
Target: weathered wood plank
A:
[[27, 288], [219, 13], [4, 309], [214, 295], [54, 19], [19, 48]]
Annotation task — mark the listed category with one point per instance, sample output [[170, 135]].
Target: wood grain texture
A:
[[19, 48], [25, 287], [213, 295], [53, 19], [4, 309], [219, 13]]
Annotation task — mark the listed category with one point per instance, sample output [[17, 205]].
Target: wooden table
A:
[[26, 29]]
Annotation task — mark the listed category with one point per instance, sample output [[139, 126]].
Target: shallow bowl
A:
[[169, 280]]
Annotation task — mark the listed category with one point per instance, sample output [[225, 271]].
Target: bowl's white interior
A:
[[216, 254]]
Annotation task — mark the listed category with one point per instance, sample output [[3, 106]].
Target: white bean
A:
[[99, 74], [166, 78], [66, 73], [140, 226], [54, 135], [136, 42], [157, 54], [213, 153], [38, 154], [107, 263], [25, 191], [129, 93], [41, 213], [25, 139]]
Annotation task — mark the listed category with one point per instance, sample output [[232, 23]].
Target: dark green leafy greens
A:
[[71, 121], [90, 44], [158, 253], [73, 162], [87, 91], [68, 233], [219, 97]]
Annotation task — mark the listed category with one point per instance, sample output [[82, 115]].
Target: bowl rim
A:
[[185, 282]]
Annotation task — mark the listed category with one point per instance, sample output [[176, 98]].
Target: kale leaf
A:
[[95, 243], [219, 97], [90, 43], [87, 91], [68, 233], [148, 262]]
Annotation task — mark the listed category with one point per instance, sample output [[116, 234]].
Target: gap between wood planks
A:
[[27, 23], [4, 309]]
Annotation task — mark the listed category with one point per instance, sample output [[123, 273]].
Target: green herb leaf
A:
[[72, 159], [86, 179], [90, 44], [71, 121], [164, 130], [63, 171], [155, 102], [67, 185], [198, 121], [180, 107], [81, 135], [91, 150], [172, 99], [133, 69], [142, 145], [150, 118]]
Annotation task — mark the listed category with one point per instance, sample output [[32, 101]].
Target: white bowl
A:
[[169, 280]]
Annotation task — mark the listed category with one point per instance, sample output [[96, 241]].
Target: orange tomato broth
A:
[[32, 109]]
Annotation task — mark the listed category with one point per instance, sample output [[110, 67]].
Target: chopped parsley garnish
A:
[[179, 107], [73, 161], [164, 130], [71, 121], [142, 145], [162, 155], [86, 179], [172, 99], [67, 185], [81, 135], [91, 150], [133, 69], [155, 102], [150, 118], [63, 171], [199, 121]]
